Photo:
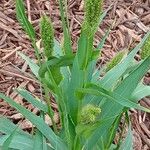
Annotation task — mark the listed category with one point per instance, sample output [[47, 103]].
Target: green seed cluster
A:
[[92, 11], [146, 49], [89, 113], [47, 35], [115, 61]]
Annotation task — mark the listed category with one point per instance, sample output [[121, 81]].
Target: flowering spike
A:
[[115, 60], [146, 49], [89, 113], [92, 11], [47, 35]]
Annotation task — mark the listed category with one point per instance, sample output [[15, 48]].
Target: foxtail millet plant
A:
[[91, 102]]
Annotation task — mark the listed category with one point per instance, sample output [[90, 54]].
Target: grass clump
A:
[[90, 107]]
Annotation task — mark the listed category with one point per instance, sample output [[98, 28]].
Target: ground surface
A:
[[132, 21]]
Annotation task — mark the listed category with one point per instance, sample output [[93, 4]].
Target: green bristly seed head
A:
[[117, 59], [89, 113], [92, 12], [146, 49], [47, 35]]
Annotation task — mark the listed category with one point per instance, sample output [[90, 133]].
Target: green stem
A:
[[37, 53], [50, 111], [67, 38], [77, 145]]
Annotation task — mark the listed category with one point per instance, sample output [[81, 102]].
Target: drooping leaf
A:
[[34, 101], [38, 122], [99, 91], [56, 62], [140, 92], [21, 140], [124, 89], [33, 66]]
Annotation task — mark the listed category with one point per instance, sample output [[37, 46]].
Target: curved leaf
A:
[[56, 142], [99, 91], [22, 18], [56, 62], [25, 94], [113, 75], [140, 92]]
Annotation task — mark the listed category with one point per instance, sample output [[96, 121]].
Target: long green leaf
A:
[[113, 75], [112, 108], [67, 39], [56, 62], [19, 142], [35, 102], [99, 91], [7, 127], [101, 18], [33, 66], [75, 82], [140, 92], [22, 18], [97, 134], [113, 130], [57, 49], [39, 141], [130, 83], [8, 140], [128, 142], [39, 123]]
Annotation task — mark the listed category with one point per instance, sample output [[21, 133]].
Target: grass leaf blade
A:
[[22, 18], [107, 80], [25, 94], [8, 140], [40, 124]]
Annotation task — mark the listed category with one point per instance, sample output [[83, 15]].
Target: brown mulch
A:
[[132, 21]]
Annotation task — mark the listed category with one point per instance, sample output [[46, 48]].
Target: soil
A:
[[131, 19]]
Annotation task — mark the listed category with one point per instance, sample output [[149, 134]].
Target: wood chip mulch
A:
[[132, 21]]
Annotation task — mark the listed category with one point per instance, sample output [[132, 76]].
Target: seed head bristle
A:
[[115, 60], [92, 11], [89, 113], [146, 49], [47, 35]]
